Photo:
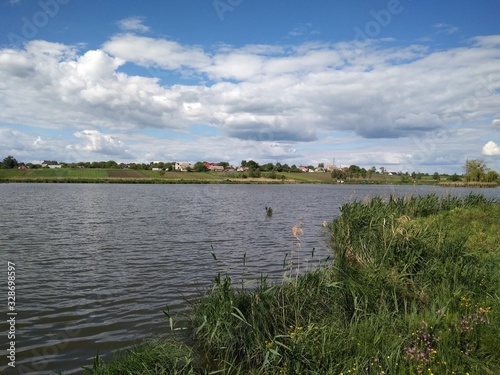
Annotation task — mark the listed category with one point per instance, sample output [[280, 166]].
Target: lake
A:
[[97, 263]]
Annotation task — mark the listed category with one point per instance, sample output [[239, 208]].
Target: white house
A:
[[183, 166]]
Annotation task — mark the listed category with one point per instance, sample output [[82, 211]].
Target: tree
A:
[[9, 162], [224, 164], [200, 166], [337, 174], [251, 164], [491, 176], [435, 176], [267, 167], [475, 170], [454, 177]]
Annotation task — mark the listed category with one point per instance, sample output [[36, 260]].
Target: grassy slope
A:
[[414, 289], [119, 175]]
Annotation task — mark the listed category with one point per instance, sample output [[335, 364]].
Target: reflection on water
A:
[[97, 264]]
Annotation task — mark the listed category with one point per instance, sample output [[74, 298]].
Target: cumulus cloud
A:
[[256, 94], [491, 149], [162, 53], [101, 143], [133, 24]]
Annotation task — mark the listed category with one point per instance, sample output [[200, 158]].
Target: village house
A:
[[183, 166], [330, 168], [214, 167], [50, 164]]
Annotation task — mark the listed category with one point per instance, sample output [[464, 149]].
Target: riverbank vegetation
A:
[[413, 289]]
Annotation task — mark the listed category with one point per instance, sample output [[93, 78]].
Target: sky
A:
[[400, 84]]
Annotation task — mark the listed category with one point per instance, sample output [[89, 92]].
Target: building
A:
[[183, 166]]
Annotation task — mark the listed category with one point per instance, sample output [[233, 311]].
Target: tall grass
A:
[[413, 289]]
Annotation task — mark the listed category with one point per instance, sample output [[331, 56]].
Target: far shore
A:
[[107, 176]]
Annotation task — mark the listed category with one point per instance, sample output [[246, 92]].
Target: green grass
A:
[[148, 358], [67, 173], [11, 173], [413, 289]]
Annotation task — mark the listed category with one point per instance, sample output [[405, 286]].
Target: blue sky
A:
[[408, 85]]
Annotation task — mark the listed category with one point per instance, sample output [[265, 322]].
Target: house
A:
[[183, 166], [330, 168], [214, 167], [50, 164], [242, 169], [22, 166], [230, 170], [303, 168], [156, 169]]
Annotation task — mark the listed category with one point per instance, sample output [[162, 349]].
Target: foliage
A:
[[9, 162], [148, 358], [475, 170], [200, 167]]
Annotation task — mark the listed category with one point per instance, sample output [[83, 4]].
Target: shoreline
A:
[[110, 176]]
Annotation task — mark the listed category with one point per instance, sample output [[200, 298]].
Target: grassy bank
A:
[[413, 289], [471, 184], [97, 175]]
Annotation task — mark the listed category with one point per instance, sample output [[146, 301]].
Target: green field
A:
[[96, 175], [67, 173]]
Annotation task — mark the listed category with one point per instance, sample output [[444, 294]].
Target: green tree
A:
[[491, 176], [435, 176], [267, 167], [200, 166], [9, 162], [475, 170], [111, 164], [337, 174], [251, 164]]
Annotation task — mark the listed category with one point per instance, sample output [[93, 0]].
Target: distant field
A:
[[314, 177], [125, 173], [143, 176], [67, 173], [191, 176], [9, 173]]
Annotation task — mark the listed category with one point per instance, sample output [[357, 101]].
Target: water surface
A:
[[96, 264]]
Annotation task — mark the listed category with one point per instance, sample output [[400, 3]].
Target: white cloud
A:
[[97, 142], [133, 24], [444, 28], [253, 96], [152, 52], [491, 149]]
